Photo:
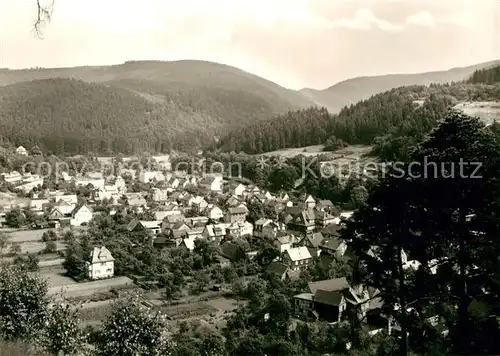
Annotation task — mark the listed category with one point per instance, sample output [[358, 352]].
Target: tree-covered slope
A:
[[71, 116], [135, 106], [406, 111], [353, 90]]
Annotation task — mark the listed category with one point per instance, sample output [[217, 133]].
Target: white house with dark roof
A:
[[236, 214], [214, 212], [101, 264], [82, 215], [298, 258], [211, 184]]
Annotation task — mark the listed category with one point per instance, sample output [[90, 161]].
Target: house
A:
[[333, 244], [246, 228], [159, 195], [236, 214], [82, 216], [37, 206], [345, 215], [178, 230], [21, 151], [70, 198], [211, 184], [215, 232], [271, 230], [234, 202], [283, 241], [169, 221], [161, 214], [147, 176], [324, 205], [307, 202], [323, 218], [277, 269], [251, 190], [62, 210], [215, 213], [101, 264], [141, 225], [259, 226], [199, 204], [173, 183], [233, 251], [197, 221], [110, 192], [325, 300], [297, 258], [304, 222], [238, 190], [313, 242], [137, 203]]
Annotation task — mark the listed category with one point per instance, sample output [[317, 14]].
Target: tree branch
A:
[[44, 15]]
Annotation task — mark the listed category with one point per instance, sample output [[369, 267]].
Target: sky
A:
[[295, 43]]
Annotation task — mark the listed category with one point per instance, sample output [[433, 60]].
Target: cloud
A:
[[365, 19], [421, 18]]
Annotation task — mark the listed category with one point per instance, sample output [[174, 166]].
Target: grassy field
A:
[[487, 111], [317, 150]]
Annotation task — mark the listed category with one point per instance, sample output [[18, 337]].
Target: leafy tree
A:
[[49, 236], [15, 248], [440, 216], [74, 261], [333, 143], [62, 333], [132, 330], [14, 218], [4, 241], [28, 262], [24, 303], [359, 195], [50, 247]]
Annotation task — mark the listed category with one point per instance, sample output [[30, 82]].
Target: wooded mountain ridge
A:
[[153, 105]]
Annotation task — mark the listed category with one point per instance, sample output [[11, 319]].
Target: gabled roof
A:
[[333, 298], [315, 239], [325, 203], [298, 253], [100, 254], [207, 180], [78, 208], [277, 268], [238, 210], [334, 284]]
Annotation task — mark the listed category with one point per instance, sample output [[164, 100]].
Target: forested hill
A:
[[353, 90], [402, 112], [485, 76], [134, 107]]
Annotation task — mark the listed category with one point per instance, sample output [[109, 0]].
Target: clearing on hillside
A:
[[357, 150], [487, 111]]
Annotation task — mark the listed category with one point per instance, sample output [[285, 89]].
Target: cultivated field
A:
[[36, 247], [21, 236], [487, 111], [56, 278], [89, 288]]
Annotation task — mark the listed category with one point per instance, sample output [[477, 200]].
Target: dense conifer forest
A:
[[401, 112]]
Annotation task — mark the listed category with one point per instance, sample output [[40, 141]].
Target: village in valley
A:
[[192, 245]]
